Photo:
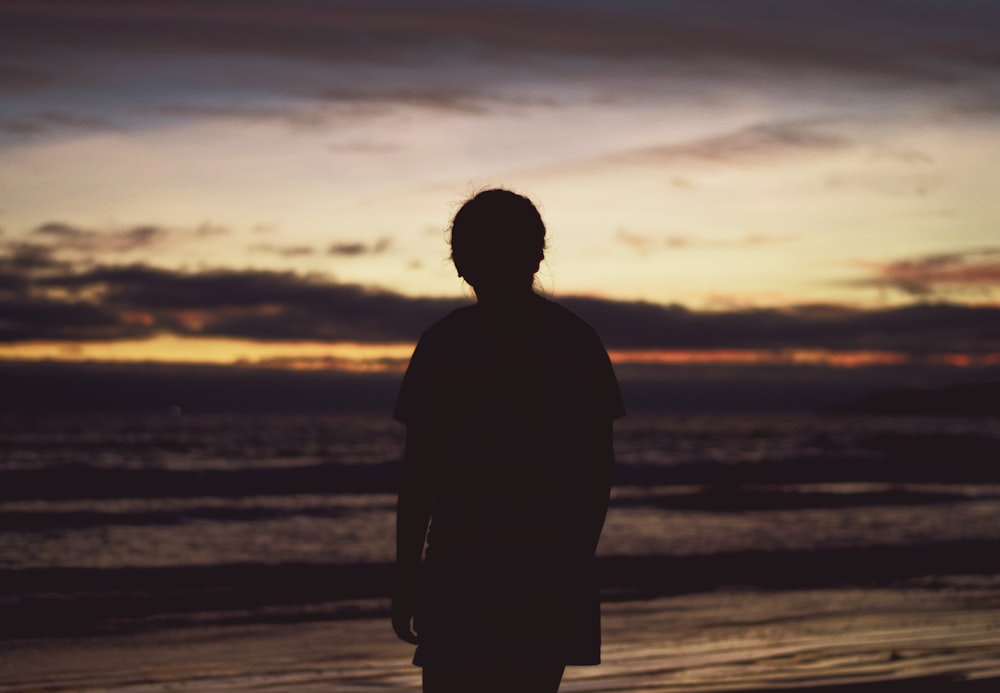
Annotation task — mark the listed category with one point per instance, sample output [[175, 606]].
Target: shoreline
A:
[[822, 641], [81, 602]]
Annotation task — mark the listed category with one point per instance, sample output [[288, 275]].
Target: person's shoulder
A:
[[453, 322], [568, 321]]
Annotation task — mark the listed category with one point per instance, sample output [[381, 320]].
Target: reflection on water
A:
[[238, 495], [197, 490]]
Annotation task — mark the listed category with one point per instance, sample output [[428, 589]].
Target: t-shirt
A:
[[539, 363], [518, 401]]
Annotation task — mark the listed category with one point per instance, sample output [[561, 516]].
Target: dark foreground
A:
[[915, 638]]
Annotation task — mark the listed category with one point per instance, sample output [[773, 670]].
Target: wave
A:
[[32, 516], [76, 481], [919, 460], [74, 602]]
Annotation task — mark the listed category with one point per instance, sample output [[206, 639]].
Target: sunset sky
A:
[[723, 181]]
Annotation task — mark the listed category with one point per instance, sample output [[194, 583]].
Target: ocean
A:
[[126, 523]]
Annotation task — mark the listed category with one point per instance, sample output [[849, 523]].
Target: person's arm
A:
[[599, 482], [413, 512]]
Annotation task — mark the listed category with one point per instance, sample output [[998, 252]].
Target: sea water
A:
[[114, 522]]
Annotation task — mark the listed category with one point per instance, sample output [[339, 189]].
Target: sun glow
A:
[[380, 358], [347, 356]]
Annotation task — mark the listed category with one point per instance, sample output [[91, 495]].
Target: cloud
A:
[[245, 304], [48, 121], [940, 274], [905, 156], [937, 45], [755, 239], [19, 78], [208, 229], [644, 243], [283, 250], [637, 241], [756, 144], [868, 37], [12, 285], [312, 66], [461, 100], [27, 318], [22, 258], [307, 116], [58, 236], [913, 330], [69, 237], [47, 301], [356, 248]]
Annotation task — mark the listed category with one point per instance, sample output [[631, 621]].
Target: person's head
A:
[[497, 242]]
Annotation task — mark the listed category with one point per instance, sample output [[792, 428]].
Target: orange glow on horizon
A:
[[374, 358], [346, 356], [817, 357]]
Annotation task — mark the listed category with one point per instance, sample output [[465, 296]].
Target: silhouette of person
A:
[[508, 406]]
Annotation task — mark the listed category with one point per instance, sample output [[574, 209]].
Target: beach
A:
[[744, 552], [916, 638]]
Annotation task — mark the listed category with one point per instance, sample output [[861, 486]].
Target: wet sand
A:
[[915, 638]]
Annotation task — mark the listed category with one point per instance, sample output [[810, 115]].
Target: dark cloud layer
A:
[[19, 258], [916, 38], [18, 78], [138, 300], [917, 330], [918, 42], [42, 299]]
